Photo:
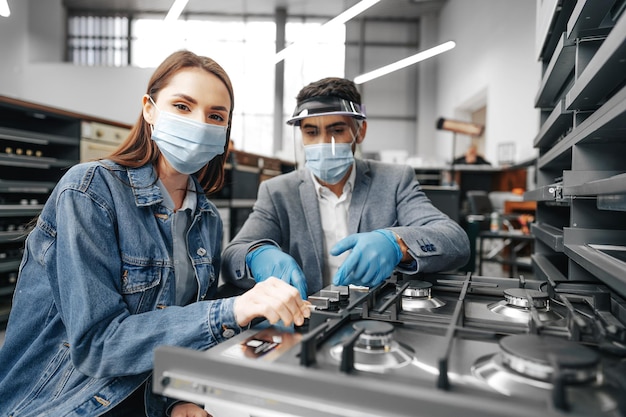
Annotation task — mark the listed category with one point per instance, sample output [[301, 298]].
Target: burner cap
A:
[[375, 334], [519, 297], [418, 289], [533, 356]]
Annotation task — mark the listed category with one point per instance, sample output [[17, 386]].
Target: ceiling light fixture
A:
[[420, 56], [175, 10], [340, 19], [4, 8]]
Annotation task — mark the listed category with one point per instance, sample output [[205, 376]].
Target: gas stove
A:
[[438, 345]]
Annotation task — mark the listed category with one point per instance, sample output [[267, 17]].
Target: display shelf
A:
[[549, 235], [615, 184], [19, 210], [10, 265], [605, 72], [551, 192], [606, 123], [556, 126], [26, 186], [599, 264], [5, 309], [37, 145], [581, 171], [559, 70], [6, 290], [35, 138], [590, 18], [13, 236], [546, 270], [34, 162], [552, 18]]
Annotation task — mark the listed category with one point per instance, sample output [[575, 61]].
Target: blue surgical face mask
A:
[[188, 145], [329, 161]]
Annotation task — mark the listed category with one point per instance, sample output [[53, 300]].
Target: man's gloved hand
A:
[[269, 261], [374, 256]]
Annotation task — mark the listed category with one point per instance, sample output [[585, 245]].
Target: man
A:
[[340, 221], [471, 157]]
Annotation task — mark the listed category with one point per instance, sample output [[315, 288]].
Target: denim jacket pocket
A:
[[141, 281]]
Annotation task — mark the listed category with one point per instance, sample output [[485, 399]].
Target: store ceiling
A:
[[394, 9]]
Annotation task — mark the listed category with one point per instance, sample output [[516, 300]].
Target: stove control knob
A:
[[324, 303]]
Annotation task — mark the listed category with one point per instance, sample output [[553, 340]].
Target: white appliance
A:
[[100, 139]]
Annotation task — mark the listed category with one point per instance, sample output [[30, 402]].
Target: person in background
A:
[[340, 220], [471, 157], [125, 257]]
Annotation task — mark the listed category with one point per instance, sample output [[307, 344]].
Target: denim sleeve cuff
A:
[[222, 322]]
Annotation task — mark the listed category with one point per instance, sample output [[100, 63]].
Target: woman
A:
[[125, 257]]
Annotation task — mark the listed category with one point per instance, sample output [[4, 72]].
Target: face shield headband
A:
[[326, 106]]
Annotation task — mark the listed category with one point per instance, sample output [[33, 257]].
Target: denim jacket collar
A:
[[143, 181]]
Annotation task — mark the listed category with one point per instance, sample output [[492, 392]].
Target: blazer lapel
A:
[[311, 208]]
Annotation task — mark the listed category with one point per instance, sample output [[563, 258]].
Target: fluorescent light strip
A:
[[175, 10], [4, 8], [420, 56], [341, 18]]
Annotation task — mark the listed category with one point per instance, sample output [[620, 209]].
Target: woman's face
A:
[[192, 93]]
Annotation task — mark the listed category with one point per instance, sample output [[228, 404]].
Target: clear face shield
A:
[[325, 128]]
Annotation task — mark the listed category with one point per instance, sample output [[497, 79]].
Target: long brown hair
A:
[[139, 149]]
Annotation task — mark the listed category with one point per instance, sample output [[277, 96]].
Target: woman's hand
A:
[[273, 299], [188, 410]]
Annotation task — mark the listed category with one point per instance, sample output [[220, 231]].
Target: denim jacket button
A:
[[201, 251], [228, 333]]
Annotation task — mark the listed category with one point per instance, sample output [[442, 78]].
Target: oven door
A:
[[98, 140]]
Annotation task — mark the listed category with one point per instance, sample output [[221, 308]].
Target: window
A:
[[245, 47], [98, 40]]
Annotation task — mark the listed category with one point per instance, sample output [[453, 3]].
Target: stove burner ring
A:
[[516, 305], [376, 334], [418, 289], [524, 366], [417, 296], [375, 349], [536, 357], [519, 297]]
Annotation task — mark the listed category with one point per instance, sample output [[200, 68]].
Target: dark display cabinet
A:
[[580, 225], [37, 144]]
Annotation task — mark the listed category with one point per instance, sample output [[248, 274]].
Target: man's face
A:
[[321, 129]]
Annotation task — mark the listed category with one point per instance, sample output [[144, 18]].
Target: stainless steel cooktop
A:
[[440, 345]]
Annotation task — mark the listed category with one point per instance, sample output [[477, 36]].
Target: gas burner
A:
[[517, 305], [417, 296], [375, 349], [526, 363]]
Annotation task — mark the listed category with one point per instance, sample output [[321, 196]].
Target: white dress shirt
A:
[[334, 216]]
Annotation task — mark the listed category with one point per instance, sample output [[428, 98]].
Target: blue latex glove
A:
[[374, 256], [269, 261]]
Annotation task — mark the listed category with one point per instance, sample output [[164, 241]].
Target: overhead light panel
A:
[[414, 59], [175, 11], [340, 19], [4, 8]]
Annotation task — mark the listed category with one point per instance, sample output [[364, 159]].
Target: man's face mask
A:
[[188, 145]]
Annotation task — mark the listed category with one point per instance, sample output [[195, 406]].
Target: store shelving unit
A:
[[581, 193], [37, 144]]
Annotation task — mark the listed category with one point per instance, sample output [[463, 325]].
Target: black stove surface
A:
[[437, 346]]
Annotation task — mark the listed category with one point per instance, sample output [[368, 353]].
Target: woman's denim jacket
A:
[[96, 291]]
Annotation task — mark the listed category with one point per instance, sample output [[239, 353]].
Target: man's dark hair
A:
[[331, 86]]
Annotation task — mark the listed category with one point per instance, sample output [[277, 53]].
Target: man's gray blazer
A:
[[385, 196]]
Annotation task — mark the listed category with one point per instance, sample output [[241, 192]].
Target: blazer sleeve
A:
[[434, 240], [261, 227]]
